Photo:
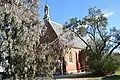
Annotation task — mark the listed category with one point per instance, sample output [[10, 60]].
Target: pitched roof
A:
[[57, 27], [77, 43]]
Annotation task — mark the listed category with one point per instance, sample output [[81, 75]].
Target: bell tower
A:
[[46, 13]]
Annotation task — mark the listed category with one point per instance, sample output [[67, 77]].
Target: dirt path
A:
[[80, 79], [73, 79]]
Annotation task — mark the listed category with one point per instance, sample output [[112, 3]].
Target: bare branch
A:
[[104, 40], [113, 41], [83, 40], [113, 49]]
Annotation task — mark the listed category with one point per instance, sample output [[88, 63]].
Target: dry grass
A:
[[117, 73], [95, 78]]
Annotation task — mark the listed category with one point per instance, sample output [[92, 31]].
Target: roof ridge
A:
[[56, 23]]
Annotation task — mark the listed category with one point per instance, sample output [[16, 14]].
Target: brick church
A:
[[76, 58]]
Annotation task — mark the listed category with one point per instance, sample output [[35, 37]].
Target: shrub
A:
[[103, 66], [110, 65]]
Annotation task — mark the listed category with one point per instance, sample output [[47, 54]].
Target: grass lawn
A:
[[116, 76], [106, 78], [117, 73]]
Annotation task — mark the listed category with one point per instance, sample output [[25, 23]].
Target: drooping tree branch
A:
[[113, 49], [83, 40]]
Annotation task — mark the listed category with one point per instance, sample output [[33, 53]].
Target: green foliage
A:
[[110, 64], [20, 30], [100, 43], [102, 66]]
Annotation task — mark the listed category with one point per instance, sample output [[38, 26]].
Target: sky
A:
[[62, 10]]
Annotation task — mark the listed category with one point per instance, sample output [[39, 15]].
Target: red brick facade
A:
[[77, 63]]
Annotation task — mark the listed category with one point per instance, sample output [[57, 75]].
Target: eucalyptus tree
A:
[[100, 42]]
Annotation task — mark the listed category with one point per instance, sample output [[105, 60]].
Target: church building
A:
[[75, 59]]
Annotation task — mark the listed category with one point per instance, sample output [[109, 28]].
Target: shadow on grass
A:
[[81, 75], [114, 77]]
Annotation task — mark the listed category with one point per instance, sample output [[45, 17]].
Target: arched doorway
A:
[[82, 60]]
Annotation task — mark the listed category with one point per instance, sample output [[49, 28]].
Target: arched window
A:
[[70, 57]]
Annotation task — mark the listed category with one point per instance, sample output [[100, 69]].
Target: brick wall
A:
[[72, 66]]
